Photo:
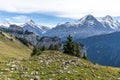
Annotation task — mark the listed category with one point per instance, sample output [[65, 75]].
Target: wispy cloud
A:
[[15, 19], [63, 8], [20, 19]]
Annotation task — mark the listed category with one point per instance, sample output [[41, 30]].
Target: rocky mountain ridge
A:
[[82, 28], [86, 27]]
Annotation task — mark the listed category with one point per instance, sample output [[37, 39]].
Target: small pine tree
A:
[[85, 56], [43, 48], [77, 49], [69, 46], [51, 47], [36, 51], [56, 47]]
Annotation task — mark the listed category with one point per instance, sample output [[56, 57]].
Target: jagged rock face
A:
[[86, 27], [28, 31], [49, 40], [18, 32], [32, 38], [15, 28]]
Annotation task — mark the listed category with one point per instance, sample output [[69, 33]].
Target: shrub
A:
[[43, 48], [53, 47], [36, 51]]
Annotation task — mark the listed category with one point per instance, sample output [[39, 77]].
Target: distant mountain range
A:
[[86, 27], [27, 33], [82, 28], [30, 26]]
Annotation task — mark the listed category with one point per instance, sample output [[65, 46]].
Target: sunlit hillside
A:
[[12, 48]]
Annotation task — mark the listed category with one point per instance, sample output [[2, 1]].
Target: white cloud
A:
[[15, 19], [63, 8], [20, 18]]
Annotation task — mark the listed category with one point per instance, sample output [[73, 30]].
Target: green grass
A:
[[50, 66], [12, 48], [16, 64]]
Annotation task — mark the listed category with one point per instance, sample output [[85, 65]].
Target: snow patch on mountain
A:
[[85, 27], [33, 27], [5, 24], [109, 21]]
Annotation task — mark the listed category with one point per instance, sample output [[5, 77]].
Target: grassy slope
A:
[[48, 66], [12, 48]]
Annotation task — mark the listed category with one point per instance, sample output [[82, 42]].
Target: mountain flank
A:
[[10, 47], [103, 49]]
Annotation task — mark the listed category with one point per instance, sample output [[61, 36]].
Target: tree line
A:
[[70, 47]]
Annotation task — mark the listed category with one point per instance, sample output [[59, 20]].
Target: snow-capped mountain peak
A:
[[109, 22], [33, 27], [5, 24], [85, 27], [88, 19], [31, 23], [107, 17]]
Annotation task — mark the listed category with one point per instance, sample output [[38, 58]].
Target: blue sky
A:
[[39, 18], [52, 12]]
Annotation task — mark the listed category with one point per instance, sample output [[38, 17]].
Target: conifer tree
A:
[[43, 48], [69, 46], [51, 47], [77, 49], [73, 48], [85, 56], [36, 51], [56, 47]]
